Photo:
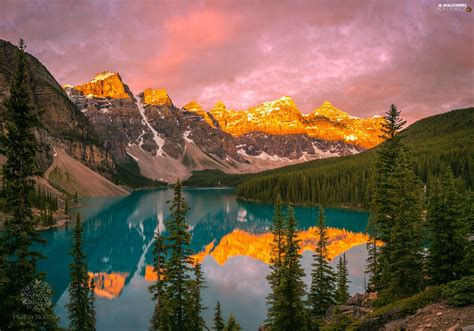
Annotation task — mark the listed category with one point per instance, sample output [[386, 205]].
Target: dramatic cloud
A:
[[360, 55]]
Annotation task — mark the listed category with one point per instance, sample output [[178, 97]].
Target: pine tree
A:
[[19, 260], [468, 209], [372, 267], [448, 233], [177, 294], [159, 318], [232, 324], [219, 324], [290, 313], [396, 217], [276, 261], [66, 205], [81, 295], [91, 306], [195, 305], [402, 272], [322, 291], [383, 195], [342, 290], [178, 265]]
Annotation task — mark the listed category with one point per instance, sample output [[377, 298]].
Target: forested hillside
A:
[[435, 142]]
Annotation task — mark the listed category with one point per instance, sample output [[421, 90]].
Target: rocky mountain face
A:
[[106, 127], [113, 112], [166, 142], [169, 143], [282, 117], [61, 124]]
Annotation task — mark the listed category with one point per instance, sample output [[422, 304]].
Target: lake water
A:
[[230, 236]]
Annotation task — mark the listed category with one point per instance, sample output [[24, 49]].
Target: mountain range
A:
[[433, 143], [101, 128], [168, 142]]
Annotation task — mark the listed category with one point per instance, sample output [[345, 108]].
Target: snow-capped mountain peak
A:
[[103, 75], [168, 143]]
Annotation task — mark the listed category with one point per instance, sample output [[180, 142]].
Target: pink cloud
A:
[[360, 55], [187, 37]]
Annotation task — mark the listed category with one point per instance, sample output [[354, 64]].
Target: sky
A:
[[360, 55]]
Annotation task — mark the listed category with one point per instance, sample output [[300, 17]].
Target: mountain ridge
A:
[[147, 128], [278, 117], [434, 142], [60, 124]]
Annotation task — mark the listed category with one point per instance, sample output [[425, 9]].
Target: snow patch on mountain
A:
[[102, 76], [186, 136], [158, 140], [140, 138], [267, 157], [324, 154], [242, 151]]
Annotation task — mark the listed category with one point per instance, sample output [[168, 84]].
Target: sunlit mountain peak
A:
[[103, 75], [106, 84], [193, 106], [158, 97]]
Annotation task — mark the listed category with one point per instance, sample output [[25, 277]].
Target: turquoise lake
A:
[[118, 233]]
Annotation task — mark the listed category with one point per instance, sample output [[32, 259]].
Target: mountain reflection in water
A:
[[230, 238]]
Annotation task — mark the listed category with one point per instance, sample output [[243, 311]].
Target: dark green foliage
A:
[[91, 311], [276, 261], [195, 306], [342, 289], [209, 178], [158, 289], [398, 309], [46, 218], [43, 200], [460, 292], [372, 264], [395, 219], [322, 292], [178, 264], [46, 203], [437, 141], [176, 294], [382, 192], [128, 173], [19, 261], [66, 205], [338, 322], [448, 232], [469, 217], [401, 255], [81, 293], [219, 324], [232, 324], [288, 307]]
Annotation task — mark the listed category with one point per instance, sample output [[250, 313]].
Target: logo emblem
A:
[[36, 296]]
